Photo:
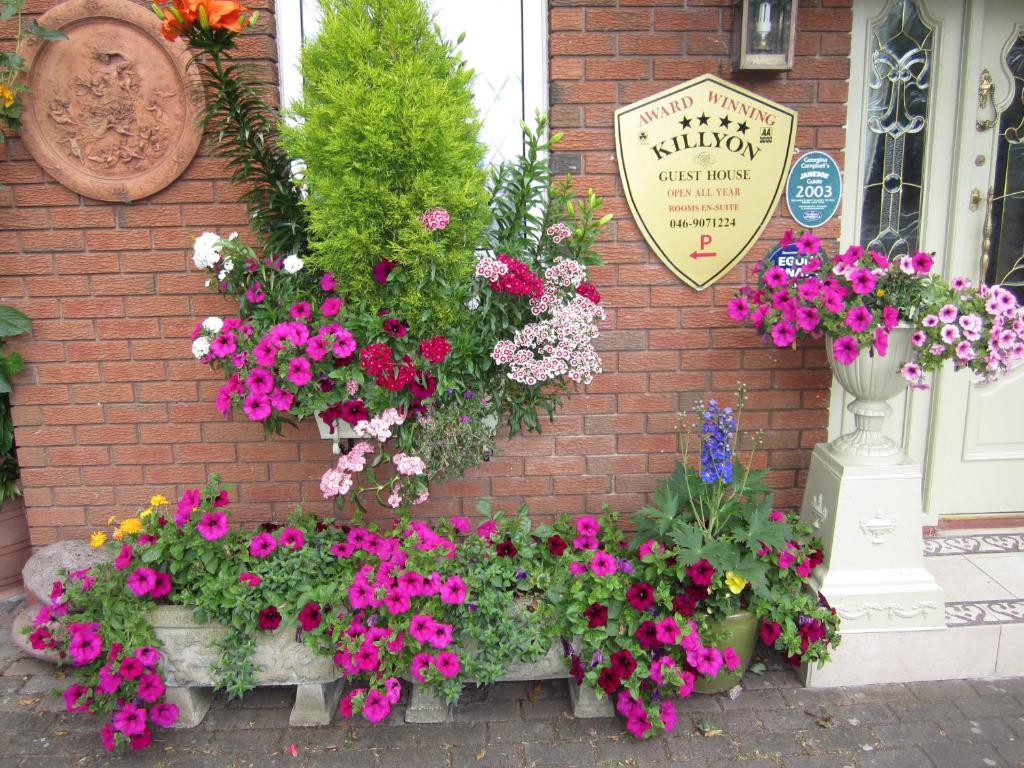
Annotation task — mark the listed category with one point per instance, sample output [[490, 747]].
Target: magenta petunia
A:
[[76, 698], [420, 663], [859, 318], [124, 557], [164, 714], [141, 581], [130, 668], [151, 688], [260, 380], [783, 334], [310, 617], [808, 244], [375, 706], [603, 564], [301, 310], [257, 406], [262, 544], [249, 579], [269, 618], [331, 306], [845, 349], [300, 372], [447, 664], [862, 281], [148, 655], [382, 270], [640, 596], [129, 720], [213, 526], [162, 586], [292, 538]]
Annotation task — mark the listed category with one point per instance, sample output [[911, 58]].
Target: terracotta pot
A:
[[740, 632], [872, 380], [15, 546]]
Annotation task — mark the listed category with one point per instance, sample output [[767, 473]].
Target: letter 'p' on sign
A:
[[703, 166]]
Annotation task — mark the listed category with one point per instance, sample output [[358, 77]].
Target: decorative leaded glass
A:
[[1006, 258], [897, 112]]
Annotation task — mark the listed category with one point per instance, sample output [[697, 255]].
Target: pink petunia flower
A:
[[165, 715], [213, 526], [292, 538], [141, 581], [262, 544], [845, 349]]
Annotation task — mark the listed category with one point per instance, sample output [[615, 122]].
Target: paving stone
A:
[[515, 731], [817, 697], [907, 734], [546, 709], [591, 728], [716, 748], [960, 755], [931, 711], [786, 719], [942, 690], [40, 684], [242, 719], [831, 760], [624, 747], [739, 724], [911, 757], [984, 706], [1012, 751], [563, 754], [998, 687], [503, 755], [355, 758], [982, 729], [421, 757], [890, 693], [486, 711], [23, 666], [752, 700]]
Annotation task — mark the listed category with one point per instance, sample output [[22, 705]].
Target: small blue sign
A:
[[814, 189], [789, 258]]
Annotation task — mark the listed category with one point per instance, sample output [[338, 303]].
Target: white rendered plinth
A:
[[869, 518]]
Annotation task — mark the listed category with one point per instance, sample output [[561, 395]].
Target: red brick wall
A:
[[112, 408]]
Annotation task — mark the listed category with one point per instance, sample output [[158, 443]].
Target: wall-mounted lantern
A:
[[766, 32]]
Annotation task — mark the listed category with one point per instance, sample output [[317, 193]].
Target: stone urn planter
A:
[[425, 707], [188, 651], [15, 546], [872, 380], [740, 632]]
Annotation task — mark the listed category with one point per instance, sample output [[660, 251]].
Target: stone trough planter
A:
[[425, 707], [188, 652]]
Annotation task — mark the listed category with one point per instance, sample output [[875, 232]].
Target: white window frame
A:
[[291, 26]]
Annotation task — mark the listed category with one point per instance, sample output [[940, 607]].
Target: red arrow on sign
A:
[[703, 254]]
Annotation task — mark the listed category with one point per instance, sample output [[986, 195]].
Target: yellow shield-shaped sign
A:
[[703, 165]]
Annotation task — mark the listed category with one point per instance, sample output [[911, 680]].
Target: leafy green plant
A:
[[388, 130], [13, 322], [12, 63]]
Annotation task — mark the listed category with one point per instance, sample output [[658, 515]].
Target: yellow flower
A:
[[145, 513], [158, 501], [111, 519], [130, 525], [97, 539], [117, 535], [880, 292], [734, 582], [7, 95]]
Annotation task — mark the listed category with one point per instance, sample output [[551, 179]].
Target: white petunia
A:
[[213, 325], [201, 347], [292, 264], [206, 251]]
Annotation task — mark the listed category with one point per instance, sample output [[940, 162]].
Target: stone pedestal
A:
[[870, 517]]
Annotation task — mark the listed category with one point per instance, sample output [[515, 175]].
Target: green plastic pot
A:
[[739, 631]]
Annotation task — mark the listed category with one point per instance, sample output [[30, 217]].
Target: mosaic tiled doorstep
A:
[[991, 543], [975, 612]]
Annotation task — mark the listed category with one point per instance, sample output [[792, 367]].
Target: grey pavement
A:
[[773, 723]]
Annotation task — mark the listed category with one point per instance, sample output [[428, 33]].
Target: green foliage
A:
[[12, 64], [457, 436], [13, 322], [388, 130]]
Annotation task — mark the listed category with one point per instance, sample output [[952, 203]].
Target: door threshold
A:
[[1000, 520]]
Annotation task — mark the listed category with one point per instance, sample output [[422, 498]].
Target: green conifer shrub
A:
[[388, 129]]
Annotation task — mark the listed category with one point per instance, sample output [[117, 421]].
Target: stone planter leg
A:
[[192, 703], [315, 703], [585, 703], [425, 707]]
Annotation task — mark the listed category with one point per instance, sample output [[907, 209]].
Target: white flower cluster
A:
[[206, 251], [564, 273], [379, 427], [292, 264], [489, 267], [560, 345]]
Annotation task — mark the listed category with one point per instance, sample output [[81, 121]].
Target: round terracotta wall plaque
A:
[[112, 113]]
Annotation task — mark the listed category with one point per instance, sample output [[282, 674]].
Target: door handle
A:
[[986, 97], [986, 235]]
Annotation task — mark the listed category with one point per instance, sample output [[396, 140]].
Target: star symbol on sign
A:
[[742, 127], [703, 119], [724, 122], [685, 122]]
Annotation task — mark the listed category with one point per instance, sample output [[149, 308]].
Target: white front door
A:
[[976, 458], [505, 43], [914, 155]]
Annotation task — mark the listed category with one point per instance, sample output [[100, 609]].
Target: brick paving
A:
[[773, 723]]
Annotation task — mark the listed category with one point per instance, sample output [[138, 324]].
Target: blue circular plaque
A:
[[814, 189]]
